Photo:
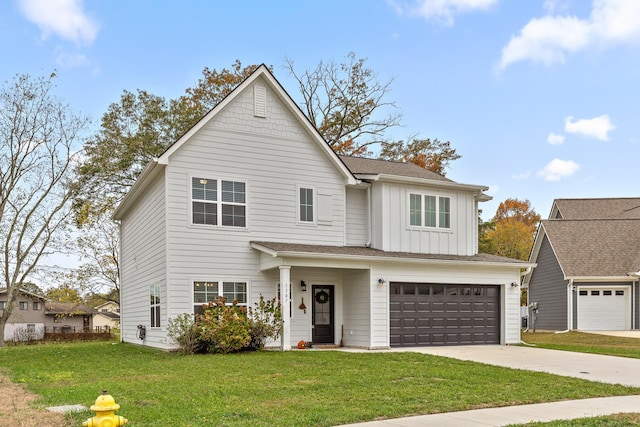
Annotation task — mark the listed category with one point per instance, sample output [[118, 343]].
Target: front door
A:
[[322, 323]]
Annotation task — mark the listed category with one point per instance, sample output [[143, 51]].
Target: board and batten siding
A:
[[391, 230], [143, 258], [274, 157], [357, 225], [356, 292], [548, 288]]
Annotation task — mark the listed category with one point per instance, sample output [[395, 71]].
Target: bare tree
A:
[[39, 136], [347, 104]]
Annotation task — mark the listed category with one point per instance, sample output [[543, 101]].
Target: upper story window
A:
[[37, 306], [306, 205], [24, 305], [3, 305], [429, 211], [218, 202]]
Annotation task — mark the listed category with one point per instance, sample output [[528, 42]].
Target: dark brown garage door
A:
[[436, 314]]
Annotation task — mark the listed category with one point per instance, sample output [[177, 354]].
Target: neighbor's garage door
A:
[[604, 309], [436, 314]]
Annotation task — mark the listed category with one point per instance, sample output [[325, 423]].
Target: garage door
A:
[[604, 309], [437, 314]]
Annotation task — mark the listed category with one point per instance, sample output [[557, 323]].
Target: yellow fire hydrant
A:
[[105, 408]]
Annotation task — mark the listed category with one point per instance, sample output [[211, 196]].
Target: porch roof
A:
[[359, 253]]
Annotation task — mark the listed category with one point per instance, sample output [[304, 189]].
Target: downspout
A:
[[370, 218], [569, 308]]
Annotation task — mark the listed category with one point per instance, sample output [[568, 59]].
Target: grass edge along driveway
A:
[[320, 388]]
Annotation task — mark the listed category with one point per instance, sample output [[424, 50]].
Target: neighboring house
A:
[[588, 266], [107, 315], [68, 317], [371, 254], [27, 320]]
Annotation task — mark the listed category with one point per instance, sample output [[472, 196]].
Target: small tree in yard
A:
[[39, 137], [224, 328], [266, 321]]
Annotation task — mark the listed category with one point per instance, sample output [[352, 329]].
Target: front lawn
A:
[[310, 387], [585, 343]]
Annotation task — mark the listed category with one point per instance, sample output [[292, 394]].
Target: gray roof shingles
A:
[[363, 166], [605, 208]]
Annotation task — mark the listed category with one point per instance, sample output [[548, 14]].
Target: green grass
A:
[[618, 420], [319, 388], [585, 343]]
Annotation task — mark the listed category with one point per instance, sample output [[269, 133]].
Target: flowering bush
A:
[[224, 328], [266, 321]]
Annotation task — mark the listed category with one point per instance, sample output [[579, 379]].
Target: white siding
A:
[[143, 257], [273, 156], [357, 226], [391, 225], [356, 308]]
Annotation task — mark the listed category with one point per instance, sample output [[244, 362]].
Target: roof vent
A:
[[260, 101]]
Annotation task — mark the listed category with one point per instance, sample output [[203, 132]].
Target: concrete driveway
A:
[[592, 367]]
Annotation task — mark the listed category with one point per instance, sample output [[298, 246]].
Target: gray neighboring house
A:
[[588, 266], [27, 320], [68, 317]]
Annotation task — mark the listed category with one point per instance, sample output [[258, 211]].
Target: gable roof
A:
[[29, 294], [604, 208], [262, 72]]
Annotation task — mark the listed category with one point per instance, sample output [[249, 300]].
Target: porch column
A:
[[285, 290]]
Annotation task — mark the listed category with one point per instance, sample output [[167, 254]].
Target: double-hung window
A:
[[24, 305], [205, 292], [218, 202], [306, 205], [37, 306], [154, 305], [427, 210]]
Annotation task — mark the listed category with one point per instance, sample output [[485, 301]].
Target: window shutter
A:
[[260, 101]]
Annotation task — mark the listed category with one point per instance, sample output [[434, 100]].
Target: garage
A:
[[604, 309], [433, 314]]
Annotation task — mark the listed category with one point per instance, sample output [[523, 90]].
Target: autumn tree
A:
[[432, 155], [39, 139], [511, 231], [64, 293]]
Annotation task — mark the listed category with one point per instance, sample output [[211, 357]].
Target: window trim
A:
[[220, 280], [155, 316], [439, 197], [36, 306], [24, 304], [314, 206], [219, 203]]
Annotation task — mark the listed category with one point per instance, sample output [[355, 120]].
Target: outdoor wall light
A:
[[303, 286], [514, 285], [381, 281]]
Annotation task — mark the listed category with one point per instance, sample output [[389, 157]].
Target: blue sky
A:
[[539, 97]]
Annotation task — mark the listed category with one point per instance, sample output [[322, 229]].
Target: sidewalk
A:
[[523, 414]]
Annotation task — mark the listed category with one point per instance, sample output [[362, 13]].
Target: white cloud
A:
[[555, 139], [550, 38], [598, 127], [72, 60], [64, 18], [557, 169], [441, 10]]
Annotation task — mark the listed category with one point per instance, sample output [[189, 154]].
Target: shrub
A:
[[224, 328], [182, 331], [266, 321]]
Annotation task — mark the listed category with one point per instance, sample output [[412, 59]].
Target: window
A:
[[31, 327], [205, 292], [618, 293], [37, 306], [595, 292], [24, 305], [213, 204], [3, 305], [429, 211], [306, 204], [607, 293], [154, 305]]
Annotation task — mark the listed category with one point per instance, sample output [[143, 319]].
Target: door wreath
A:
[[322, 297]]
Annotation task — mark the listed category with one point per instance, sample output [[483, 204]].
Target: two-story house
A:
[[365, 253], [27, 320]]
